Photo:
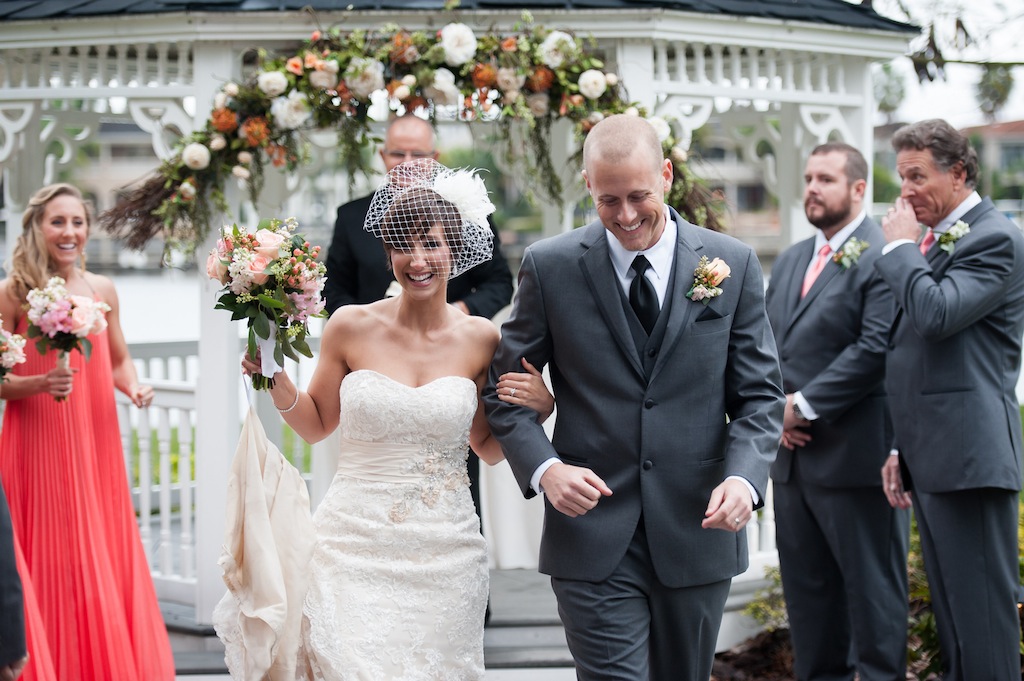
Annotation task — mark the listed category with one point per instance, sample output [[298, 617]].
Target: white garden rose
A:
[[241, 173], [364, 76], [595, 117], [220, 100], [611, 79], [443, 90], [678, 154], [509, 80], [401, 92], [272, 83], [217, 142], [244, 157], [292, 111], [459, 43], [661, 127], [557, 48], [331, 66], [538, 103], [231, 89], [631, 111], [196, 156], [323, 80], [187, 190], [592, 83], [409, 80]]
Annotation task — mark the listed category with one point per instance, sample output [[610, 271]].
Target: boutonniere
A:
[[847, 256], [958, 231], [706, 279]]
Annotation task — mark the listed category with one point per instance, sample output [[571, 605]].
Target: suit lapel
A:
[[682, 311], [596, 265]]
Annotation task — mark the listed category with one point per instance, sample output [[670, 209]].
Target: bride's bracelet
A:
[[285, 411]]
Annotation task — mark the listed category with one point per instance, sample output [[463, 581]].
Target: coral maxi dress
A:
[[63, 469]]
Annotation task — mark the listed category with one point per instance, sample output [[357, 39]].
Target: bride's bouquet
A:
[[273, 281], [62, 321], [12, 351]]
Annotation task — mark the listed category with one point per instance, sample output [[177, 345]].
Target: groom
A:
[[669, 416]]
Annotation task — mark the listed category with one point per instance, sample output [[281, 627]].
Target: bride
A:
[[399, 578]]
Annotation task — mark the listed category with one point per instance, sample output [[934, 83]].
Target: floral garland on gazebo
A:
[[531, 75]]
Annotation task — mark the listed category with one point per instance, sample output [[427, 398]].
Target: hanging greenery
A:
[[530, 76]]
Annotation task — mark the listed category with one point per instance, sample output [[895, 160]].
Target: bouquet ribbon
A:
[[268, 365]]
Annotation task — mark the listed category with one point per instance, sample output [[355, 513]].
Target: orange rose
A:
[[484, 75], [718, 271], [294, 65], [256, 131], [510, 44], [540, 80], [224, 120]]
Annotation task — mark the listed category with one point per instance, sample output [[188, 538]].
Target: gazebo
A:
[[776, 74]]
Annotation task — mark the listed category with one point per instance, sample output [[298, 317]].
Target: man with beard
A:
[[842, 547]]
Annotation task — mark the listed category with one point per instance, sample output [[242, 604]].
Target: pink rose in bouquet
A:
[[63, 321], [273, 281]]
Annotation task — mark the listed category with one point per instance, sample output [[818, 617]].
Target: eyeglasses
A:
[[402, 154]]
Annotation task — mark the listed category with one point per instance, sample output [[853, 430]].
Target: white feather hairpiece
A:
[[465, 190]]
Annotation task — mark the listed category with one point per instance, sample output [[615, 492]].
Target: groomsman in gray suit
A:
[[12, 622], [842, 547], [951, 373], [669, 415]]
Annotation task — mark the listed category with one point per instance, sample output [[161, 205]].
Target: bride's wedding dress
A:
[[398, 580]]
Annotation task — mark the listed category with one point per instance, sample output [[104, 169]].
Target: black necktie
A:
[[642, 295]]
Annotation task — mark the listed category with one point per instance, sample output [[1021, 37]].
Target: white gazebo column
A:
[[217, 406], [789, 171]]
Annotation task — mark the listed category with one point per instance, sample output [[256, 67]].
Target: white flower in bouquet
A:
[[196, 156], [443, 90], [538, 103], [611, 79], [459, 43], [557, 48], [245, 157], [510, 80], [272, 83], [292, 111], [661, 127], [230, 89], [324, 80], [220, 100], [217, 142], [187, 190], [12, 351], [241, 172], [401, 92], [592, 83], [364, 76]]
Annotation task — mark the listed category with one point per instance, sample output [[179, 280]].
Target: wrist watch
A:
[[796, 411]]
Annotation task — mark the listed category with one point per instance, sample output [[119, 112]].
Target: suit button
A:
[[649, 404], [648, 465], [652, 352]]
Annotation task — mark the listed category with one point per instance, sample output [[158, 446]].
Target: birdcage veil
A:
[[421, 194]]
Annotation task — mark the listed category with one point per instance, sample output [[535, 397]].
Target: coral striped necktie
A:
[[812, 274], [927, 241]]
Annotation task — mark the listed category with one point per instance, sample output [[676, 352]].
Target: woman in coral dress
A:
[[91, 610]]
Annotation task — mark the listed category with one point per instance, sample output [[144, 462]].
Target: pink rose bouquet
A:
[[273, 281], [12, 351], [61, 320]]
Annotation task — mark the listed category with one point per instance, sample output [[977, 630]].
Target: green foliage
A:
[[993, 88], [768, 607], [886, 189]]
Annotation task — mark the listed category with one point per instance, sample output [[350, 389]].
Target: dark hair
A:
[[948, 145], [856, 167]]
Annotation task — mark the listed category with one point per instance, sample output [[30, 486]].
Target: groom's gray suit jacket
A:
[[662, 422]]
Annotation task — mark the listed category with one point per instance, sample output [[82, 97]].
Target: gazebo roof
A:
[[835, 12]]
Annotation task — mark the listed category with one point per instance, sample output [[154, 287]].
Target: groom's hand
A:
[[573, 490], [13, 670]]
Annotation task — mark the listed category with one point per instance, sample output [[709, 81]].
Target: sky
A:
[[997, 25]]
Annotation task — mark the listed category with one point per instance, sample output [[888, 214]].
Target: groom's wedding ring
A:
[[737, 521], [511, 392]]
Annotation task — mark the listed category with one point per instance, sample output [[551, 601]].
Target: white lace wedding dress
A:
[[399, 578]]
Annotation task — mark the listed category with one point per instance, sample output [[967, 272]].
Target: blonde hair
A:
[[30, 265]]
